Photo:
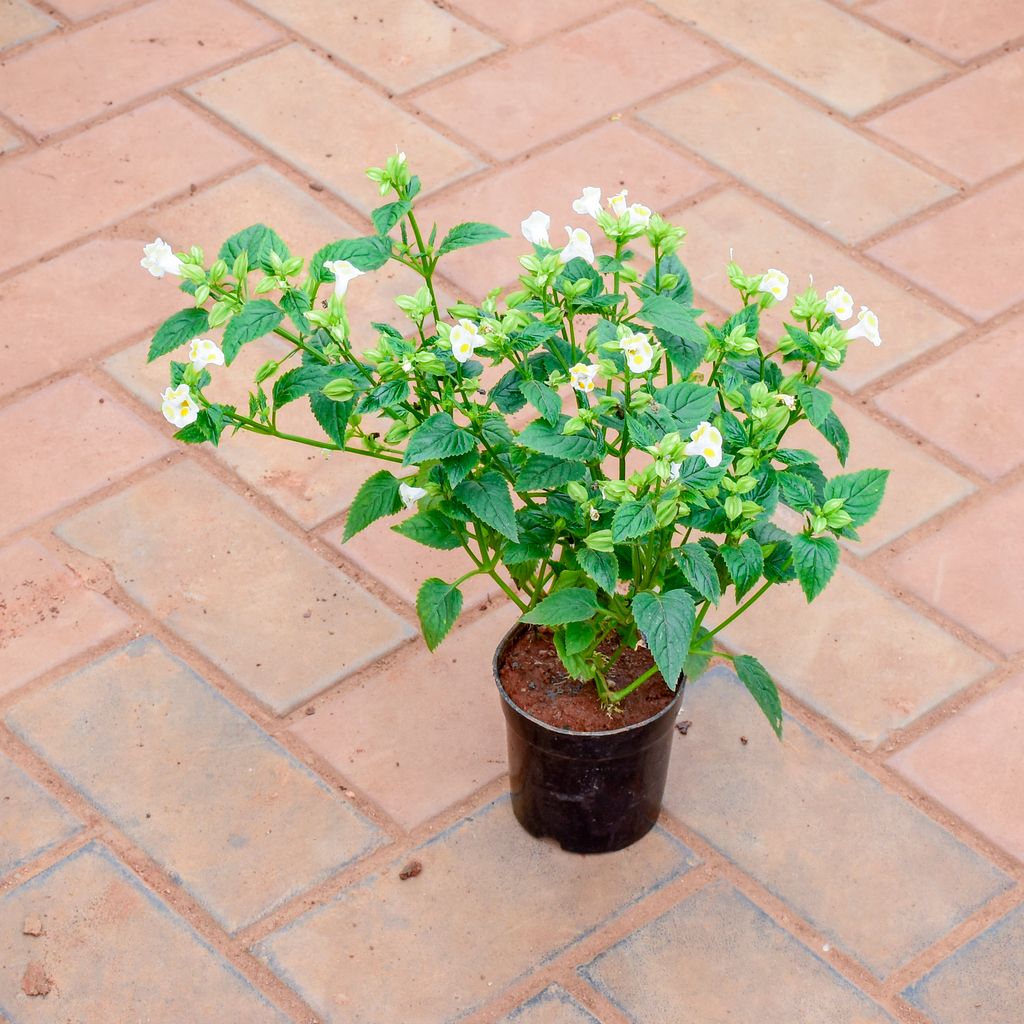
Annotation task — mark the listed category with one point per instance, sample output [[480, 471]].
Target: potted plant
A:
[[617, 478]]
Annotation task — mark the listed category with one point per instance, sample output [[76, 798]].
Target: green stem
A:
[[615, 696], [739, 611], [428, 268]]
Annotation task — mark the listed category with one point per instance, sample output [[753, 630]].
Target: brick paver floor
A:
[[220, 735]]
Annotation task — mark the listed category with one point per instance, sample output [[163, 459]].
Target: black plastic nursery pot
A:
[[593, 792]]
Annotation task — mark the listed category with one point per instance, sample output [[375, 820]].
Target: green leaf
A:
[[458, 467], [815, 560], [745, 564], [797, 491], [543, 399], [192, 433], [689, 403], [495, 430], [666, 621], [835, 433], [387, 216], [332, 416], [299, 382], [683, 290], [861, 492], [749, 318], [368, 253], [258, 242], [633, 519], [256, 318], [702, 650], [578, 637], [601, 566], [176, 330], [762, 689], [544, 472], [378, 497], [699, 571], [816, 404], [671, 316], [489, 500], [296, 304], [470, 233], [696, 474], [438, 605], [574, 604], [437, 437], [432, 529], [548, 440], [383, 396]]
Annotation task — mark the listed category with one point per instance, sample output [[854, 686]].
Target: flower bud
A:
[[268, 369], [341, 389], [221, 313], [217, 272], [665, 513], [577, 492], [600, 540], [241, 265], [733, 507], [832, 505], [193, 273]]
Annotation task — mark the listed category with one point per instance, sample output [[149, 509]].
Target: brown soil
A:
[[535, 679]]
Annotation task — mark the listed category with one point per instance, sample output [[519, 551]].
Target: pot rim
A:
[[519, 627]]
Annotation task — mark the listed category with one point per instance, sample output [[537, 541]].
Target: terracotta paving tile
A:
[[852, 189], [33, 821], [972, 764], [122, 165], [612, 156], [950, 254], [372, 953], [79, 10], [856, 655], [91, 441], [197, 576], [48, 614], [875, 875], [400, 43], [735, 959], [951, 402], [523, 20], [552, 1006], [8, 140], [114, 952], [972, 569], [20, 21], [78, 75], [760, 238], [111, 305], [957, 30], [193, 781], [981, 983], [415, 773], [952, 126], [603, 67], [276, 99], [786, 38]]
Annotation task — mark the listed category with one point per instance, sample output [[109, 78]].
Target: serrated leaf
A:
[[257, 242], [749, 318], [332, 416], [862, 493], [299, 382], [437, 437], [383, 396], [255, 319], [507, 394], [797, 491], [489, 500], [702, 650], [666, 621], [176, 330], [432, 529], [541, 437], [683, 290], [543, 472], [601, 566], [378, 497], [470, 233], [816, 404], [815, 560], [368, 253], [296, 304], [699, 571], [458, 467], [387, 216], [695, 473], [543, 399], [671, 316], [574, 604], [578, 637], [745, 564], [438, 604], [496, 431], [754, 677], [632, 520], [835, 433], [689, 403]]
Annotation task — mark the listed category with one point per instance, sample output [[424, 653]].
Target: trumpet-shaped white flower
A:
[[639, 353], [579, 245], [839, 302], [866, 327], [588, 203], [159, 259], [535, 228], [775, 283], [582, 376], [410, 495], [618, 203], [465, 338], [639, 216], [203, 352], [343, 272], [178, 406], [789, 401], [706, 441]]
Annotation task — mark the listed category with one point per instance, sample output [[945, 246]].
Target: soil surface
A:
[[534, 677]]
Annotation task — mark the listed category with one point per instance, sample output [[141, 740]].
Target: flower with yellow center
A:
[[465, 339], [579, 246], [866, 327], [639, 215], [178, 406], [706, 441], [203, 352], [618, 203], [582, 376], [839, 302], [639, 353], [775, 283], [589, 202]]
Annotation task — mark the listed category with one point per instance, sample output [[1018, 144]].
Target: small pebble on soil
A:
[[411, 870]]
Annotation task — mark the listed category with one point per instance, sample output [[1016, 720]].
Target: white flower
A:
[[579, 245], [618, 203], [639, 216], [203, 352], [789, 401], [588, 203], [410, 495], [839, 302], [706, 441], [535, 228], [594, 515], [343, 272], [465, 338], [407, 365], [582, 375], [673, 471], [775, 283], [866, 327], [639, 353], [178, 406], [159, 259]]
